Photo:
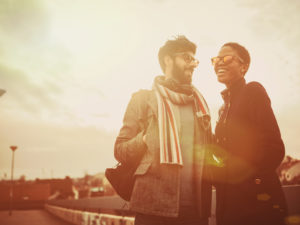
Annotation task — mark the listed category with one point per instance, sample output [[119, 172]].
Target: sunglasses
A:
[[187, 58], [225, 59]]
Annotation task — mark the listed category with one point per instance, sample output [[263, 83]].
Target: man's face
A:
[[184, 64]]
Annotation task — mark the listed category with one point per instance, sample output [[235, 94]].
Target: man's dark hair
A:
[[179, 44], [241, 51]]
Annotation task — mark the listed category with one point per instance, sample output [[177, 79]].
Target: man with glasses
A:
[[167, 130]]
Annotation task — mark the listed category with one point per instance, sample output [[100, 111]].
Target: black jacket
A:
[[250, 148]]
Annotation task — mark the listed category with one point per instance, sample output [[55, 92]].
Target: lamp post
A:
[[11, 193]]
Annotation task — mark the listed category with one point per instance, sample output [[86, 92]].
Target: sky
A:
[[69, 68]]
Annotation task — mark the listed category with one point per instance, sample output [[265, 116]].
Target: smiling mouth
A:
[[221, 71]]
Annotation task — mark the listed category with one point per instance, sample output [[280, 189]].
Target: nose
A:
[[194, 63], [219, 63]]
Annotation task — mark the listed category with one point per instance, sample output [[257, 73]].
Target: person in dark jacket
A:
[[249, 147]]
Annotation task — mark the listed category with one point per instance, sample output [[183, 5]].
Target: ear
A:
[[168, 60], [244, 68]]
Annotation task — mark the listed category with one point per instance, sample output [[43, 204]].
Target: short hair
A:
[[241, 51], [179, 44]]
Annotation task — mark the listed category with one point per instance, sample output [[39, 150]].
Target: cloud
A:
[[276, 21], [24, 93], [23, 20]]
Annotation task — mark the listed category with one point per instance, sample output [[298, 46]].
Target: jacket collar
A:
[[233, 89]]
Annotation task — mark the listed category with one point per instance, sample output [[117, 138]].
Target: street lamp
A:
[[13, 148]]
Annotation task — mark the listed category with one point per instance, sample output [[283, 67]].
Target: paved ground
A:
[[29, 217]]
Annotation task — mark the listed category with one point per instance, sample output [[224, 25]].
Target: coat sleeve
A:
[[129, 146], [269, 146]]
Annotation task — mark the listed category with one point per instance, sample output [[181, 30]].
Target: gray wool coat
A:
[[157, 187]]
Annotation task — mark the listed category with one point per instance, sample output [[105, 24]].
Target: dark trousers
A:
[[187, 216]]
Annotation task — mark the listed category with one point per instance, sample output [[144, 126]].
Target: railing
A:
[[108, 204], [115, 211], [88, 218]]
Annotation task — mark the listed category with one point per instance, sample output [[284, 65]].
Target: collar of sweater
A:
[[233, 89]]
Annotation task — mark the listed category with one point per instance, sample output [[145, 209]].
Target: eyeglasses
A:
[[187, 58], [225, 59]]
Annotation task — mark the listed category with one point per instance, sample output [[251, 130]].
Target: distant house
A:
[[25, 195], [33, 194]]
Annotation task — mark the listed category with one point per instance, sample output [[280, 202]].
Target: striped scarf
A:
[[170, 150]]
